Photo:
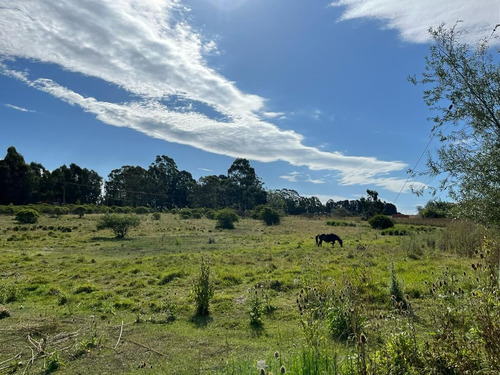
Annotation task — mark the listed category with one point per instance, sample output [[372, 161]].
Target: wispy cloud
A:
[[413, 18], [21, 109], [355, 178], [291, 177], [302, 177], [148, 49], [315, 180]]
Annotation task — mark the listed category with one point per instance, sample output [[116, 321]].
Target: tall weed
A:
[[203, 288], [461, 237]]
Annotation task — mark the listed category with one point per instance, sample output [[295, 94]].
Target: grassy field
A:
[[82, 302]]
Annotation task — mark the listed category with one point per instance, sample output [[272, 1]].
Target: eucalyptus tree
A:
[[127, 186], [15, 178], [75, 184], [40, 183], [168, 186], [246, 188], [162, 177], [211, 192]]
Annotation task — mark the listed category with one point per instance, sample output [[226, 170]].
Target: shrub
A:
[[58, 211], [79, 210], [210, 213], [186, 213], [53, 363], [226, 218], [197, 213], [255, 213], [156, 216], [119, 224], [7, 210], [269, 216], [335, 223], [203, 289], [27, 216], [141, 210], [380, 222]]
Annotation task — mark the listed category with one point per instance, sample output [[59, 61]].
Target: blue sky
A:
[[313, 93]]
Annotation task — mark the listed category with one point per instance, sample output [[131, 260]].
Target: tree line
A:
[[163, 186]]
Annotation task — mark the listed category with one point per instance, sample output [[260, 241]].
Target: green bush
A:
[[53, 363], [381, 222], [186, 213], [270, 216], [119, 224], [197, 213], [210, 213], [226, 218], [59, 210], [141, 210], [27, 216], [335, 223], [79, 210], [7, 210]]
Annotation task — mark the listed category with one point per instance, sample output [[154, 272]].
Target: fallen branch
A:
[[144, 346], [119, 337], [64, 336], [11, 359], [30, 362]]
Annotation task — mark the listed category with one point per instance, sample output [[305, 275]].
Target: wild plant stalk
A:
[[256, 309], [396, 291], [203, 289], [345, 319]]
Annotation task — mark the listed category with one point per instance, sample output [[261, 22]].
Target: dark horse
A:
[[328, 238]]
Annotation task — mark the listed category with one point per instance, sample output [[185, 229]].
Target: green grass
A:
[[101, 304]]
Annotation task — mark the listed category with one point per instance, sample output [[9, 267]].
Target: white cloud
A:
[[211, 48], [279, 115], [316, 114], [21, 109], [316, 181], [291, 177], [301, 177], [147, 49], [389, 183], [413, 18]]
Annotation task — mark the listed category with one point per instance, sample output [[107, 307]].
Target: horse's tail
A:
[[317, 240]]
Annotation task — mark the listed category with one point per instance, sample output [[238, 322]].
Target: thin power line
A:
[[420, 158], [414, 168]]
